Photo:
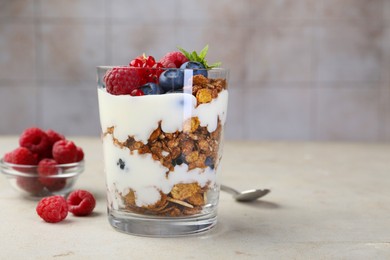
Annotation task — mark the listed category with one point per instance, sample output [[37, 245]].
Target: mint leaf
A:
[[203, 52], [194, 56], [215, 65], [184, 52], [201, 57]]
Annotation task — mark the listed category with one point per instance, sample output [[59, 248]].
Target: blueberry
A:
[[121, 164], [209, 162], [197, 67], [151, 89], [179, 160], [171, 79]]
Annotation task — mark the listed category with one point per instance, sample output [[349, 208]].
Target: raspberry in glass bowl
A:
[[45, 163], [45, 179]]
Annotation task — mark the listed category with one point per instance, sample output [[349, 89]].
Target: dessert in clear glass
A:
[[162, 143]]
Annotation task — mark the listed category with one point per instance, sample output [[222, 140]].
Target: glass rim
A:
[[16, 170], [26, 166]]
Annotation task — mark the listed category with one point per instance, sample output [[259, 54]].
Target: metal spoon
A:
[[247, 195]]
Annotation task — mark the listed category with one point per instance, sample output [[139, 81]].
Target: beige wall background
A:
[[300, 69]]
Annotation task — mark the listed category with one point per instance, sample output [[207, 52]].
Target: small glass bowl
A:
[[26, 180]]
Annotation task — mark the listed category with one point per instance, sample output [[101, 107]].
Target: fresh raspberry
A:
[[173, 59], [54, 136], [21, 155], [8, 157], [122, 80], [47, 168], [81, 202], [52, 209], [46, 154], [149, 71], [35, 140], [80, 154], [30, 184], [57, 185], [64, 151]]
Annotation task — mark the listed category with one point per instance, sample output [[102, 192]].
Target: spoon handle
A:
[[229, 190]]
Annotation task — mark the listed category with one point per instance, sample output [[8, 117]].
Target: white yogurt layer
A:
[[139, 117]]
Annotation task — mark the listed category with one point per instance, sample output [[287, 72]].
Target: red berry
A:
[[8, 157], [173, 59], [57, 185], [54, 136], [46, 154], [21, 155], [47, 168], [80, 154], [35, 140], [144, 61], [30, 184], [52, 209], [149, 71], [81, 202], [137, 92], [122, 80], [64, 151]]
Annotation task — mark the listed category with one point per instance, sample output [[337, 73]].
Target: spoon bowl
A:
[[247, 195]]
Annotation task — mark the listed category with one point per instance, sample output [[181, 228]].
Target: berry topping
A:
[[201, 57], [64, 151], [173, 59], [81, 202], [197, 67], [21, 155], [52, 209], [137, 92], [151, 89], [144, 61], [46, 168], [137, 79], [122, 80], [150, 71], [172, 79], [35, 140]]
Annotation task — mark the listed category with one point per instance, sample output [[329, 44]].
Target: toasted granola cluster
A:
[[184, 199], [194, 146], [206, 89]]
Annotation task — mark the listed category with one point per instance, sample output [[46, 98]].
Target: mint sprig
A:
[[201, 57]]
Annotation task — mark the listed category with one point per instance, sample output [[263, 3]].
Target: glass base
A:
[[161, 226]]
